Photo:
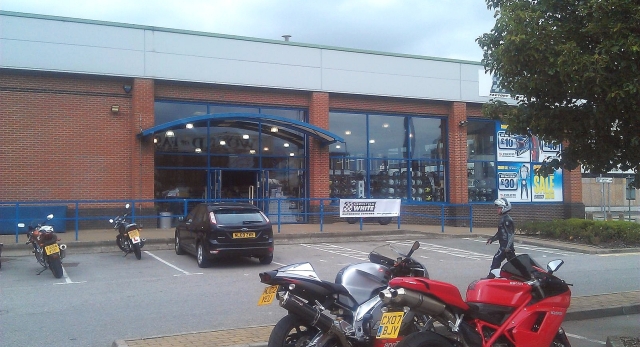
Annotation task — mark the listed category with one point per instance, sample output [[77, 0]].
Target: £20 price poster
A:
[[514, 181]]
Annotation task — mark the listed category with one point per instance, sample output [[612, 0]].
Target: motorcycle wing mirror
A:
[[554, 265], [20, 225], [50, 217], [414, 247]]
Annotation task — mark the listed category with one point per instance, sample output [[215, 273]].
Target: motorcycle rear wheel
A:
[[425, 339], [120, 243], [56, 267], [291, 330], [137, 251]]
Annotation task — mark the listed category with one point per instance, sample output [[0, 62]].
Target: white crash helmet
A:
[[504, 204]]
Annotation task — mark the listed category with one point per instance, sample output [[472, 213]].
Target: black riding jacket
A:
[[506, 232]]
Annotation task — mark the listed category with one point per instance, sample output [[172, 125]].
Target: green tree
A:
[[574, 67]]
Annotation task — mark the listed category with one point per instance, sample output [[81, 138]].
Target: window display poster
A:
[[512, 147], [548, 188], [541, 150], [515, 181]]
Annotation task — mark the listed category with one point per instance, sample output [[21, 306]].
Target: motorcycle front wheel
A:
[[136, 251], [56, 267], [291, 331]]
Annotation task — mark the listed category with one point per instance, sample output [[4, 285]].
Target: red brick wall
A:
[[230, 95], [59, 139], [318, 156], [458, 193], [142, 168]]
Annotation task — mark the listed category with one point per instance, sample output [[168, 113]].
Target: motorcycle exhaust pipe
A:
[[63, 250], [414, 300], [307, 312]]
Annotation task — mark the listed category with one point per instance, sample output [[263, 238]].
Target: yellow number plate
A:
[[244, 235], [134, 234], [390, 325], [268, 295], [51, 249]]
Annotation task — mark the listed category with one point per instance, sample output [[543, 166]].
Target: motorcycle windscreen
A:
[[521, 266], [300, 270]]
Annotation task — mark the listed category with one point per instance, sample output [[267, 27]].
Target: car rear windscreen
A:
[[238, 217]]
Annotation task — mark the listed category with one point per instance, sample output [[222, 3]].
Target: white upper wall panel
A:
[[35, 42]]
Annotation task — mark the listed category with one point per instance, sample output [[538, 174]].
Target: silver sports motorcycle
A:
[[346, 312]]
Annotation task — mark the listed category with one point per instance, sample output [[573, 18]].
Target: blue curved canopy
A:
[[324, 136]]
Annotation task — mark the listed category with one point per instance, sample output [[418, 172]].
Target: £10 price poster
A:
[[548, 188], [514, 181], [512, 147]]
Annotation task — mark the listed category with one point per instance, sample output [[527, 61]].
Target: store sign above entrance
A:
[[325, 137]]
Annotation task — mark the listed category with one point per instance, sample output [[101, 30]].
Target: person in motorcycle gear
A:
[[505, 235]]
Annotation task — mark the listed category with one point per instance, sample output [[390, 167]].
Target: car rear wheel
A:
[[266, 259], [202, 260], [178, 246]]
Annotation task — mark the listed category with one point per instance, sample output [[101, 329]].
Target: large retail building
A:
[[96, 110]]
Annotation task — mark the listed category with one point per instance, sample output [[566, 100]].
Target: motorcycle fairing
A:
[[444, 291], [307, 283]]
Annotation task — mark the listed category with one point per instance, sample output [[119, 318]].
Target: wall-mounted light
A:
[[463, 123], [348, 132], [127, 88], [115, 108]]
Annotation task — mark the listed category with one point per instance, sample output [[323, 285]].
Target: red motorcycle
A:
[[524, 307]]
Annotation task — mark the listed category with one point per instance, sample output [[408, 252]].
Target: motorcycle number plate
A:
[[134, 235], [390, 325], [51, 249], [268, 295]]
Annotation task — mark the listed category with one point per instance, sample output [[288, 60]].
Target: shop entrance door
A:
[[250, 186]]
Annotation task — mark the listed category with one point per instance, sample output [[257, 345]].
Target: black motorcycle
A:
[[353, 307], [46, 249], [128, 238]]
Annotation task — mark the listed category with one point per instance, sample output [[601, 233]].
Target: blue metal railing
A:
[[94, 214]]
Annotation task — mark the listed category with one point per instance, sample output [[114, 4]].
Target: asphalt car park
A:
[[106, 296]]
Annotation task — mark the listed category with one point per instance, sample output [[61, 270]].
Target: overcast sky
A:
[[434, 28]]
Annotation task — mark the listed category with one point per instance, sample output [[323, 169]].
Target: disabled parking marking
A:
[[173, 266], [347, 252], [67, 280], [533, 248], [456, 252]]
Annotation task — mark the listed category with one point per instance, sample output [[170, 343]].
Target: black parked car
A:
[[221, 229]]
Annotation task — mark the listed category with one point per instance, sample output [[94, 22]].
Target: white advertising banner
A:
[[369, 207]]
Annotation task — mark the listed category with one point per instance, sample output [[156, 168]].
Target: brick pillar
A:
[[572, 193], [142, 117], [318, 156], [458, 193]]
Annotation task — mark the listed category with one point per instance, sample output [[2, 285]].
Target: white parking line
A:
[[456, 252], [533, 248], [586, 339], [173, 266], [347, 252], [67, 280]]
